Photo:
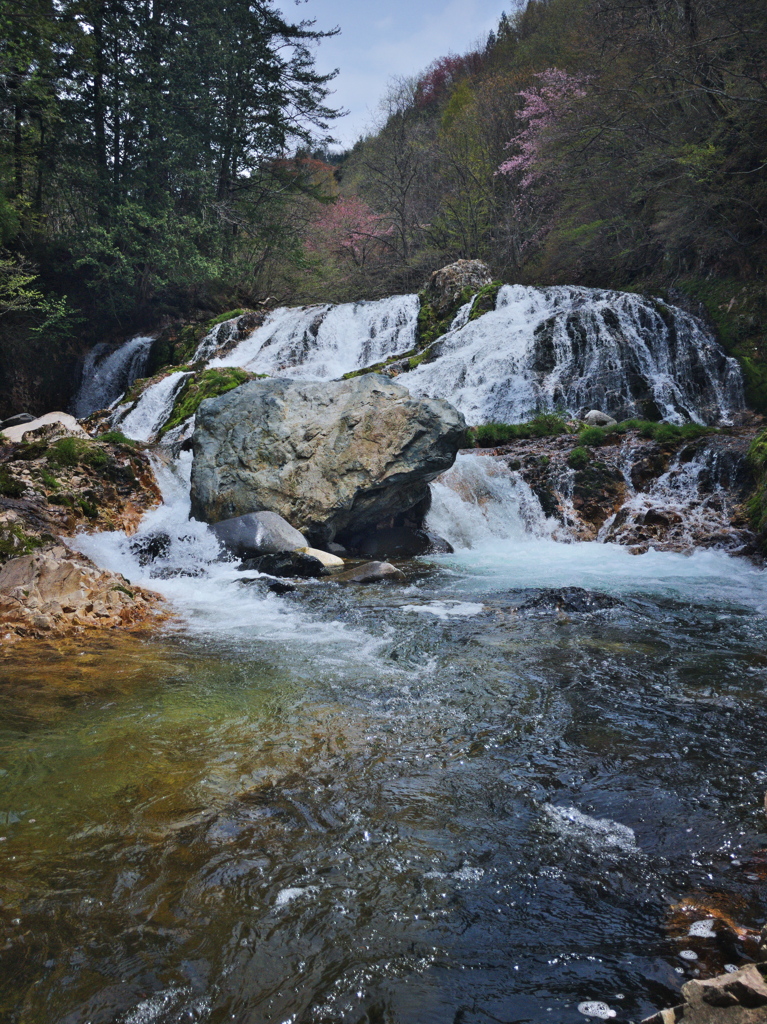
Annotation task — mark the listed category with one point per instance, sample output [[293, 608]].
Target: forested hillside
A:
[[143, 162], [158, 158]]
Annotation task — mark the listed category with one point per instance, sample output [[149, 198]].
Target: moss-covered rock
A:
[[205, 384]]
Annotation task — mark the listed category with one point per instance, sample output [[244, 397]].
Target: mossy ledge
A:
[[206, 384]]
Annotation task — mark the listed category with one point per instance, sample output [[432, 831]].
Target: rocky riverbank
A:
[[54, 483]]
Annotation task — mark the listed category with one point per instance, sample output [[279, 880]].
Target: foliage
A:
[[491, 435], [578, 458], [10, 487], [593, 436], [72, 451], [116, 437], [14, 542]]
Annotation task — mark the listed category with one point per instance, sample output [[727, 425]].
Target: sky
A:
[[385, 39]]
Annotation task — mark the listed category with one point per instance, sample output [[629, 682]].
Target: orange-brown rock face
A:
[[58, 591]]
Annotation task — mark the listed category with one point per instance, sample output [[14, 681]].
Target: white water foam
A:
[[152, 410], [575, 349], [596, 833], [325, 342], [502, 539]]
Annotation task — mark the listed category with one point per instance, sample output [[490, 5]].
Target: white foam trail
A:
[[325, 342], [502, 539], [480, 500], [595, 833], [152, 409], [108, 372]]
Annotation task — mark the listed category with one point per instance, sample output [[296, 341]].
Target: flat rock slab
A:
[[330, 458], [63, 418]]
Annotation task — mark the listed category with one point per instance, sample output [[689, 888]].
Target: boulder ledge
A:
[[332, 458]]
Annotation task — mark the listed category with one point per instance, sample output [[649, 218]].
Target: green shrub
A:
[[49, 480], [74, 451], [578, 458], [545, 424], [115, 437], [10, 487], [593, 436], [666, 432]]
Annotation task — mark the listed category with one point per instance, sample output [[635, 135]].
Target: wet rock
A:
[[281, 588], [332, 458], [595, 418], [286, 563], [55, 591], [398, 542], [568, 599], [737, 998], [445, 286], [150, 547], [370, 572], [258, 533]]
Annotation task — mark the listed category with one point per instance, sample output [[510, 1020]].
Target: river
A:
[[440, 800]]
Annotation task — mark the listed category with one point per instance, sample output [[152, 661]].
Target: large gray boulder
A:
[[258, 533], [332, 458], [445, 287]]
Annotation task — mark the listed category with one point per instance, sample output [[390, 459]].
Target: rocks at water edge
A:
[[736, 998], [332, 458], [257, 533], [595, 418], [297, 564], [55, 591]]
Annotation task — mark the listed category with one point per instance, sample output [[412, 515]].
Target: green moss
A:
[[124, 590], [49, 480], [756, 505], [578, 458], [115, 437], [74, 451], [206, 384], [593, 436], [10, 487], [485, 300], [88, 508], [222, 318]]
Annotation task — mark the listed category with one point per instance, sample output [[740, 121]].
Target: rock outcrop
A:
[[55, 591], [737, 998], [445, 286], [331, 458]]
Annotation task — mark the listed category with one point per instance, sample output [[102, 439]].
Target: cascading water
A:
[[542, 349], [107, 372], [142, 420], [574, 349], [325, 342]]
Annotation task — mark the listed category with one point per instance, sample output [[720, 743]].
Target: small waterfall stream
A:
[[107, 372]]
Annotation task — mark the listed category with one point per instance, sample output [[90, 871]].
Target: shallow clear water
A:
[[413, 803]]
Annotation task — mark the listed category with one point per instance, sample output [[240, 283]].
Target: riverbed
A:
[[462, 797]]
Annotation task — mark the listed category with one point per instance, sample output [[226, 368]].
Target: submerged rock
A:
[[399, 542], [332, 458], [568, 599], [286, 563], [258, 533], [57, 592], [370, 572]]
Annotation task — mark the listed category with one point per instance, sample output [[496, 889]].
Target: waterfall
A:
[[142, 420], [325, 342], [542, 349], [574, 349], [108, 372], [481, 500], [692, 504]]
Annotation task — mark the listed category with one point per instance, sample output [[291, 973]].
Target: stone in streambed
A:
[[595, 418], [568, 600], [332, 458], [286, 563], [258, 533], [370, 572]]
